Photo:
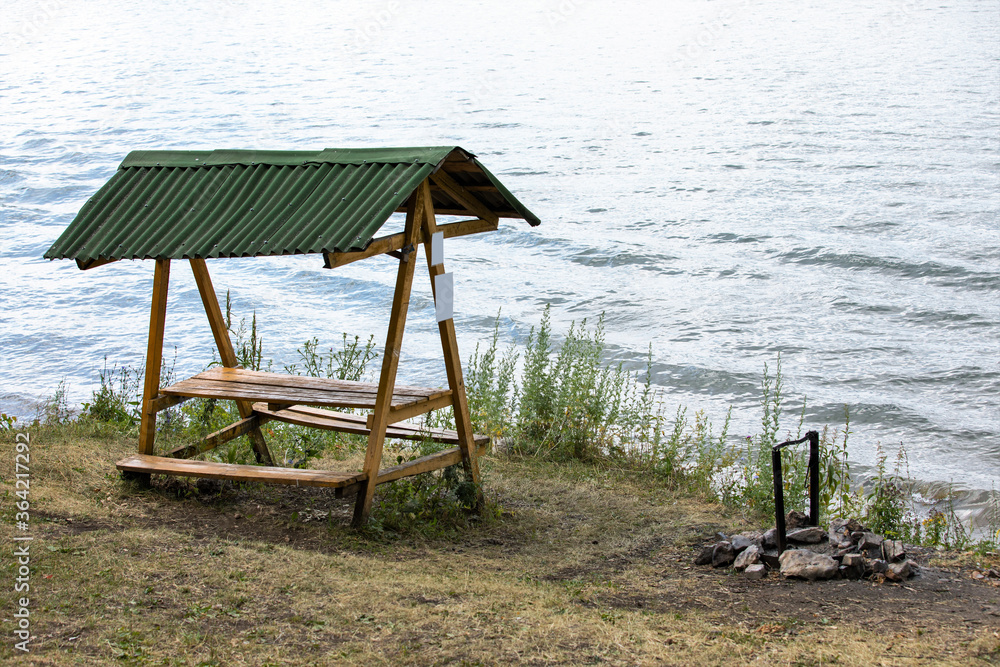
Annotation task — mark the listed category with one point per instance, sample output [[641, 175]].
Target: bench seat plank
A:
[[159, 465]]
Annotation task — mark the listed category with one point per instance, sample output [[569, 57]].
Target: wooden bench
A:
[[292, 399], [346, 483]]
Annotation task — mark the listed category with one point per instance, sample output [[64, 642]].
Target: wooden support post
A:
[[154, 358], [452, 360], [390, 363], [226, 352]]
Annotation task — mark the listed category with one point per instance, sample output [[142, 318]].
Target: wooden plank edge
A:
[[159, 465], [265, 378]]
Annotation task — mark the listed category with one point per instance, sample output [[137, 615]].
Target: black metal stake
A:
[[779, 489], [779, 498], [813, 477]]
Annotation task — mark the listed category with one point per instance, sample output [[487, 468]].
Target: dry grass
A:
[[583, 566]]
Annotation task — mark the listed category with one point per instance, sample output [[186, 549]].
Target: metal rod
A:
[[779, 498], [813, 477]]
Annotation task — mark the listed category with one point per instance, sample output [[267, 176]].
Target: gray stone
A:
[[893, 550], [704, 556], [810, 535], [871, 543], [898, 571], [723, 554], [806, 564], [741, 542], [747, 557], [770, 538], [852, 566], [843, 552], [839, 534], [796, 519], [755, 571], [878, 566], [853, 559], [770, 558]]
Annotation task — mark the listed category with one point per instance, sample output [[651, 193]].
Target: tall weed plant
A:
[[567, 404]]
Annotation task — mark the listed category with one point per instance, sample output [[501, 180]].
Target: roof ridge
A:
[[250, 157]]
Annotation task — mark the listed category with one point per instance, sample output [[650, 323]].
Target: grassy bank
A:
[[596, 505], [577, 564]]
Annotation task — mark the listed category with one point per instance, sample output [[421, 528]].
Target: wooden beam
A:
[[452, 360], [163, 402], [378, 246], [464, 197], [304, 415], [390, 361], [461, 211], [443, 459], [154, 357], [226, 353], [470, 188], [461, 165], [221, 436], [395, 242], [411, 410], [92, 263]]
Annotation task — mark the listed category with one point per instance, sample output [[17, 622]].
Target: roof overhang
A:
[[245, 203]]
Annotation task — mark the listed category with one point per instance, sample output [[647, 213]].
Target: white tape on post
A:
[[437, 248], [444, 296]]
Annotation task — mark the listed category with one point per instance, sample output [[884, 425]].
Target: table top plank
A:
[[240, 384]]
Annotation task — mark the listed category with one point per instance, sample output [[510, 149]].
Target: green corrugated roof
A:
[[243, 203]]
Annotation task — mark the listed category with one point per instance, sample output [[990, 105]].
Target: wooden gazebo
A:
[[199, 205]]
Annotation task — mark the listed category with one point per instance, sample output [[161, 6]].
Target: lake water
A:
[[727, 180]]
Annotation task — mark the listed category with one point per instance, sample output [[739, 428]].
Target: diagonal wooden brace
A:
[[226, 352]]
